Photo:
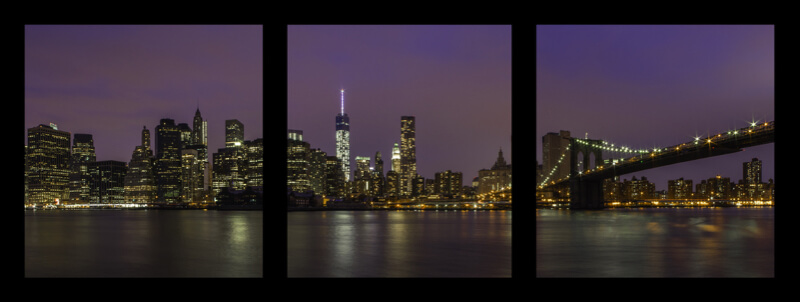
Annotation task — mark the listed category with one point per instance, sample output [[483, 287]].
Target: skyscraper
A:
[[48, 159], [234, 133], [83, 155], [752, 171], [200, 141], [168, 162], [139, 180], [396, 158], [343, 140], [408, 154]]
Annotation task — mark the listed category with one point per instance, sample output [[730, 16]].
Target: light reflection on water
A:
[[655, 242], [143, 243], [399, 244]]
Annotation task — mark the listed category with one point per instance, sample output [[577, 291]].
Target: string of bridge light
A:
[[555, 168]]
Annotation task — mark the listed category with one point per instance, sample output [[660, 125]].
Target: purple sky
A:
[[456, 80], [109, 81], [649, 86]]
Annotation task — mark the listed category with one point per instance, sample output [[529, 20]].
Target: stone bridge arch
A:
[[585, 149]]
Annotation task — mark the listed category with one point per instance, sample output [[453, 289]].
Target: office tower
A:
[[200, 138], [316, 170], [48, 160], [234, 133], [408, 155], [297, 161], [186, 134], [679, 188], [200, 129], [254, 161], [191, 176], [396, 158], [334, 178], [497, 178], [555, 159], [167, 170], [82, 155], [362, 175], [343, 140], [377, 175], [448, 183], [378, 163], [108, 181], [296, 135], [752, 171], [392, 183], [139, 180]]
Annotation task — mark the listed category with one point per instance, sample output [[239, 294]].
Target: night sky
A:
[[657, 86], [110, 81], [456, 81]]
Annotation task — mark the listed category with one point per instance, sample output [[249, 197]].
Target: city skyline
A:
[[455, 80], [650, 86], [111, 80]]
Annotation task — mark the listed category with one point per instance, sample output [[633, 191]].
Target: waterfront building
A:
[[316, 170], [48, 164], [448, 183], [139, 182], [228, 169], [497, 178], [334, 178], [679, 189], [254, 161], [234, 133], [638, 189], [612, 189], [192, 180], [343, 140], [362, 176], [167, 169], [107, 181], [408, 155], [297, 165], [392, 184], [83, 153], [715, 188]]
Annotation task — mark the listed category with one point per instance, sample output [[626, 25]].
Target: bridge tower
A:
[[585, 193]]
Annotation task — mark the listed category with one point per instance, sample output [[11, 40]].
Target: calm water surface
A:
[[399, 244], [656, 242], [143, 243]]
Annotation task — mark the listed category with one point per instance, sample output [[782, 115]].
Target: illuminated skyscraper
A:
[[234, 133], [139, 180], [343, 140], [48, 160], [408, 155], [396, 158]]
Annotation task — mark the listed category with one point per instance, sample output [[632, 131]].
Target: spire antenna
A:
[[342, 101]]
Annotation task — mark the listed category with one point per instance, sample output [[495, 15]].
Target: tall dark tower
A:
[[200, 143], [82, 156], [408, 154], [168, 162], [752, 171], [139, 179], [343, 140]]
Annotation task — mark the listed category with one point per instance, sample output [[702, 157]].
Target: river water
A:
[[143, 243], [656, 242], [399, 244]]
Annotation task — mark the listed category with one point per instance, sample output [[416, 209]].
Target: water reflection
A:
[[696, 242]]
